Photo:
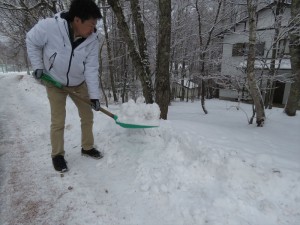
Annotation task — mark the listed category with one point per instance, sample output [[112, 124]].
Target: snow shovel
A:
[[46, 77]]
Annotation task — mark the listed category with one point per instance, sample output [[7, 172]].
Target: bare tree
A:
[[137, 60], [205, 47], [140, 31], [101, 74], [279, 6], [253, 87], [109, 53], [294, 97], [17, 17], [162, 81]]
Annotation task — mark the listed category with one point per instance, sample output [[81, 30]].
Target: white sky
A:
[[212, 169]]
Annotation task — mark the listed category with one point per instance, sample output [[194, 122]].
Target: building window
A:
[[241, 49], [260, 49], [282, 48]]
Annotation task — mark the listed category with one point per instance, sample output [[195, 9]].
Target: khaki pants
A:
[[57, 98]]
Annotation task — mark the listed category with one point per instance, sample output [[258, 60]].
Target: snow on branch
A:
[[7, 6]]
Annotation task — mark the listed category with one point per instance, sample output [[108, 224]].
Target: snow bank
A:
[[139, 113]]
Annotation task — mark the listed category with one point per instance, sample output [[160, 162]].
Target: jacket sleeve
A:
[[92, 70], [36, 38]]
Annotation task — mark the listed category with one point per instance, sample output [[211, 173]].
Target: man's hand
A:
[[37, 74], [95, 104]]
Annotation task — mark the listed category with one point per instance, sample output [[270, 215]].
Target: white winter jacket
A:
[[49, 48]]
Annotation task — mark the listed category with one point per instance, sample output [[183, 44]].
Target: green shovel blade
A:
[[128, 125]]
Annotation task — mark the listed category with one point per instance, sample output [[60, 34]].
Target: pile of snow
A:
[[139, 112]]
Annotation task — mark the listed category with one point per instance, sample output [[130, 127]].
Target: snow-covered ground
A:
[[212, 169]]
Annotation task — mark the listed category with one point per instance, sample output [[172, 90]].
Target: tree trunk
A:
[[294, 96], [162, 81], [101, 74], [202, 85], [125, 77], [273, 71], [254, 90], [183, 76], [182, 90], [205, 48], [137, 61], [140, 31], [110, 64], [26, 61]]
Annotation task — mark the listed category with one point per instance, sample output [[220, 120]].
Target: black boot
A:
[[94, 153], [60, 163]]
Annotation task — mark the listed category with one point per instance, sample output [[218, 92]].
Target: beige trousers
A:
[[57, 98]]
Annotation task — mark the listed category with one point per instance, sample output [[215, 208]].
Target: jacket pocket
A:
[[51, 60], [84, 66]]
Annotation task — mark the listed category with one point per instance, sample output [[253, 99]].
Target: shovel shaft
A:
[[107, 113], [88, 102], [50, 80]]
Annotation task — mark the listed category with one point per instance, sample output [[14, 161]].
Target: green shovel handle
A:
[[49, 79]]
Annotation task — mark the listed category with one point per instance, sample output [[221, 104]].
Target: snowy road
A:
[[16, 192], [29, 185], [5, 145], [6, 116]]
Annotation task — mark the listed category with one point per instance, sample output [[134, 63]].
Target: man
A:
[[66, 47]]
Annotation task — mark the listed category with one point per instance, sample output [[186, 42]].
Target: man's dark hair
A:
[[84, 9]]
